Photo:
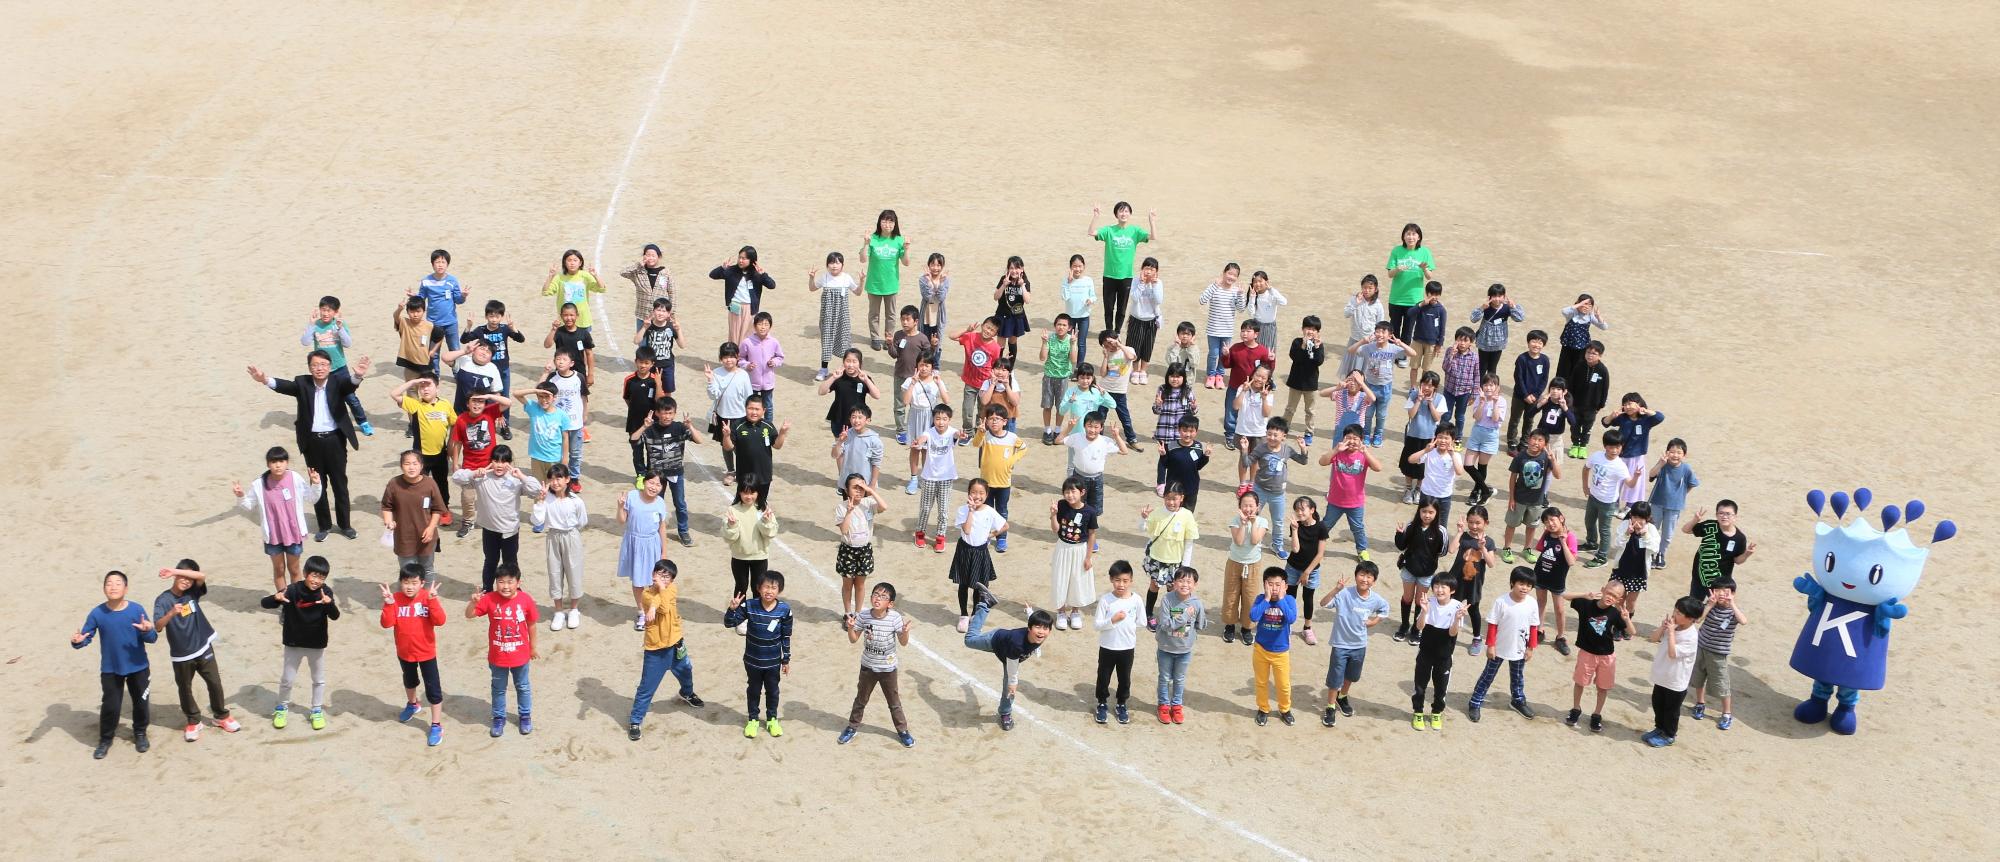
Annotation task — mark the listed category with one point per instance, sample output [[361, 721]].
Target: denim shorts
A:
[[1483, 439], [1345, 666], [295, 549], [1292, 577], [1408, 578]]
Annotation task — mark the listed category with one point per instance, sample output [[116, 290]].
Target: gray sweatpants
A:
[[565, 551], [316, 660]]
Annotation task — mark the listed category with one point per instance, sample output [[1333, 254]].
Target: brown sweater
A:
[[410, 506]]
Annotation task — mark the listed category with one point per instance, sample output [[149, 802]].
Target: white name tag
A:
[[427, 502], [287, 493]]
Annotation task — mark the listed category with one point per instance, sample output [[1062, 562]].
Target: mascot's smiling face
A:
[[1861, 564]]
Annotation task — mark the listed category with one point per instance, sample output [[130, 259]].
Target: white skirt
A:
[[1069, 582]]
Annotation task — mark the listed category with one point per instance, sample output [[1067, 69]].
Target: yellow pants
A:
[[1237, 594], [1272, 668]]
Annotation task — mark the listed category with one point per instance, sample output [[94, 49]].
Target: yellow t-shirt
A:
[[1170, 533], [997, 459], [664, 629], [433, 423]]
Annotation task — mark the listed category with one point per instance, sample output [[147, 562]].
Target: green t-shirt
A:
[[1408, 286], [1058, 365], [1119, 244], [884, 253], [326, 336]]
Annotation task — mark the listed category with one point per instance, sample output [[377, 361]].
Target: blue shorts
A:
[[1292, 577], [295, 549], [1345, 667], [1408, 578], [1483, 439]]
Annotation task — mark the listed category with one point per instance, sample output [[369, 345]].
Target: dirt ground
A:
[[1782, 211]]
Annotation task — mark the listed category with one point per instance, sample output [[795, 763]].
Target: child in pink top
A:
[[1347, 488]]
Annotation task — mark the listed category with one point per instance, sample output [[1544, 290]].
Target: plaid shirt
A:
[[648, 290], [1461, 372]]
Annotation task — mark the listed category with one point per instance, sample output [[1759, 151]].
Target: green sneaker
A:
[[1437, 721], [771, 726], [278, 718], [1416, 721], [318, 719], [1507, 556], [750, 729]]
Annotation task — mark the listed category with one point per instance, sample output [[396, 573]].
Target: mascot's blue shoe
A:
[[1812, 710], [1844, 720]]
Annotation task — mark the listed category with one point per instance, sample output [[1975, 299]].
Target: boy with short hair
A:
[[1271, 659], [982, 350], [1600, 618], [1531, 380], [441, 295], [906, 347], [122, 666], [414, 613], [326, 331], [305, 608], [1356, 609], [883, 628], [998, 451], [753, 441], [858, 449], [1116, 380], [1010, 646], [936, 474], [1269, 470], [1058, 355], [1513, 631], [1089, 450], [662, 443], [1672, 479], [1347, 486], [417, 342], [1720, 618], [665, 648], [1242, 360], [767, 648], [571, 339], [1427, 330], [1492, 318], [1528, 476], [548, 446], [1181, 462], [1605, 478], [472, 368], [1589, 394], [661, 332], [475, 438], [191, 645], [642, 388], [572, 400], [499, 330], [510, 644], [761, 355], [498, 486], [1183, 351], [1673, 668], [1308, 353], [1181, 615]]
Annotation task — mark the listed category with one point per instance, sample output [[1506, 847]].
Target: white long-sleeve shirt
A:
[[1147, 298], [560, 514], [1264, 306], [1362, 317], [730, 389], [1123, 634]]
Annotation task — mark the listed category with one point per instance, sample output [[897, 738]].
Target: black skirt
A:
[[972, 564]]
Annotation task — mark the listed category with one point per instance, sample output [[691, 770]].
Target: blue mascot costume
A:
[[1859, 578]]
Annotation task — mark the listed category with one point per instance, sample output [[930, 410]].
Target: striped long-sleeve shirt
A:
[[1222, 305], [767, 643]]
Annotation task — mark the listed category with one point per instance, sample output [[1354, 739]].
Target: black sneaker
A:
[[1124, 716], [1247, 639], [685, 541], [1521, 706], [632, 732], [1287, 718], [348, 533], [103, 748], [1562, 645], [1346, 708], [1229, 443], [1402, 633], [693, 700], [1326, 717], [982, 595], [1596, 723], [139, 741], [1229, 634], [464, 527], [320, 536], [1103, 713], [1263, 718], [1472, 714], [1006, 721], [1585, 546], [506, 433], [1570, 720]]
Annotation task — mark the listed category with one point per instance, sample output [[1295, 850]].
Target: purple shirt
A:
[[757, 352], [281, 511]]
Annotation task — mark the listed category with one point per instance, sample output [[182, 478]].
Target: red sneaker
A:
[[586, 435], [920, 540], [1166, 714], [575, 487], [446, 521], [938, 545], [1178, 714]]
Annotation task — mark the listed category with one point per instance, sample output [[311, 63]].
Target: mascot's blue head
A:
[[1859, 563]]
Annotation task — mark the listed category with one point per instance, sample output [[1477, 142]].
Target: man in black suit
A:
[[324, 427]]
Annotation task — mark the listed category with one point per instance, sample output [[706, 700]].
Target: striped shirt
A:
[[1222, 305], [1718, 629], [878, 639], [768, 641]]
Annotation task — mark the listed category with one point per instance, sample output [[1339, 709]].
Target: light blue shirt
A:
[[1077, 296], [442, 296], [1350, 617]]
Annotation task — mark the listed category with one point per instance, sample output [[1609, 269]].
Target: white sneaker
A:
[[1062, 622], [822, 375], [575, 618], [963, 623], [556, 621], [1076, 620]]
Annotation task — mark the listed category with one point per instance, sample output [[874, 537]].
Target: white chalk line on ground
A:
[[967, 678], [1751, 250], [632, 149]]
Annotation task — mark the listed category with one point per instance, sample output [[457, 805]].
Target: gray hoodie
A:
[[862, 453], [498, 506], [1179, 621]]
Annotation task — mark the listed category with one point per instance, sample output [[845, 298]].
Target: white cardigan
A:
[[302, 494]]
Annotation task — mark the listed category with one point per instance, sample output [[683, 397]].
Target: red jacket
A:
[[415, 621], [1243, 362]]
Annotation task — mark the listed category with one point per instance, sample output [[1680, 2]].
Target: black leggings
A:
[[746, 573], [1667, 710], [965, 600], [138, 684], [1306, 603], [1114, 659], [1489, 362], [1433, 669], [761, 681], [428, 671], [1116, 292], [499, 549]]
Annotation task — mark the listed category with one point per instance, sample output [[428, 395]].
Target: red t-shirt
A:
[[415, 621], [1243, 362], [1348, 486], [979, 358], [477, 434], [507, 626]]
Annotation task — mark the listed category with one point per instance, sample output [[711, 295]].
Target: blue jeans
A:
[[997, 498], [1229, 411], [657, 663], [1354, 522], [1093, 489], [1124, 418], [354, 406], [522, 690], [1173, 676], [1378, 412], [677, 486], [1081, 326], [1454, 406], [978, 638], [1217, 345], [1515, 669], [506, 389], [1275, 501], [447, 331], [575, 453]]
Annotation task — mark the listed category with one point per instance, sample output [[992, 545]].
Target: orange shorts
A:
[[1603, 669]]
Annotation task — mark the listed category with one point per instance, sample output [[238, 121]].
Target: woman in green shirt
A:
[[1120, 240], [1409, 268], [883, 253]]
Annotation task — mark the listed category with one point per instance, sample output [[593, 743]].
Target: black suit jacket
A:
[[339, 385]]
